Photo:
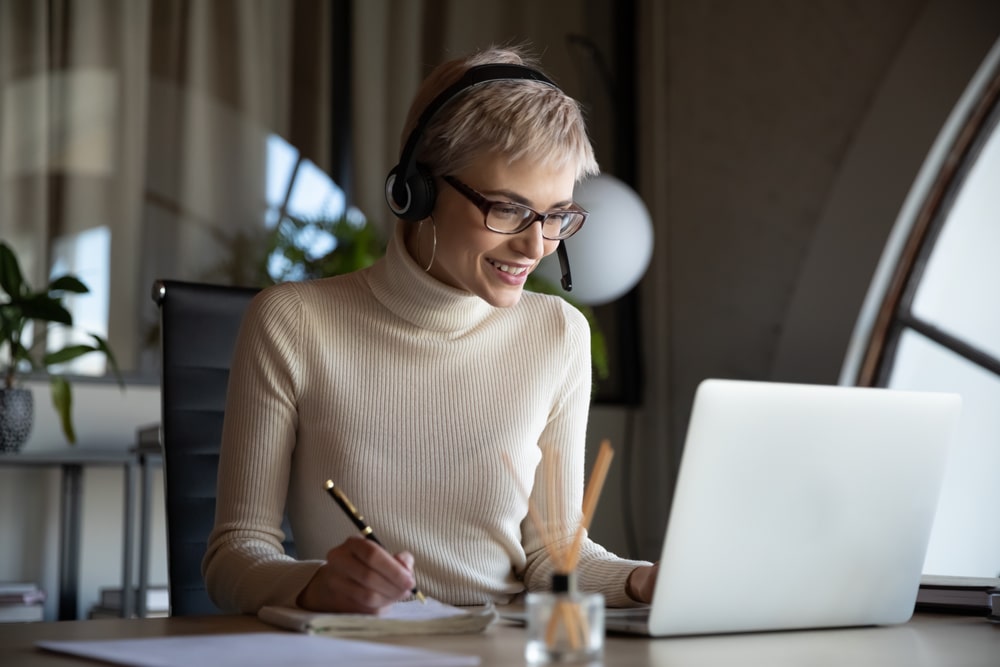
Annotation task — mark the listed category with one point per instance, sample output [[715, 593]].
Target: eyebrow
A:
[[518, 199]]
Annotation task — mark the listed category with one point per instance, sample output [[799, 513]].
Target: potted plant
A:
[[19, 305]]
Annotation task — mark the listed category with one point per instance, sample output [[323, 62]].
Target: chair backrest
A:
[[198, 328]]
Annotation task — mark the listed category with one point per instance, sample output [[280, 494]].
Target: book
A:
[[955, 593], [100, 611], [411, 617], [20, 613], [21, 593]]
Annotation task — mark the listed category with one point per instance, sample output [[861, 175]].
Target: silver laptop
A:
[[799, 506]]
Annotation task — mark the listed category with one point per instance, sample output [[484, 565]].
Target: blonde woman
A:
[[411, 382]]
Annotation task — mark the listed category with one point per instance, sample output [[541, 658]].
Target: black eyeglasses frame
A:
[[485, 205]]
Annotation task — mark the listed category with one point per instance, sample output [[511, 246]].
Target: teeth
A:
[[512, 270]]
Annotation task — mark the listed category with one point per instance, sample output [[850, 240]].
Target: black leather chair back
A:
[[198, 328]]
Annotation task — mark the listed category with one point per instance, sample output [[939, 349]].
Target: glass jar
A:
[[564, 625]]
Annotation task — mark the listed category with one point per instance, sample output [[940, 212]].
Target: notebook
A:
[[799, 506], [411, 617]]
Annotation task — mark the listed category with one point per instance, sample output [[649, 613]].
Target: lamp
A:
[[612, 251]]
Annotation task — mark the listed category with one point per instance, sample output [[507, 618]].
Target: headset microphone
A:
[[567, 277]]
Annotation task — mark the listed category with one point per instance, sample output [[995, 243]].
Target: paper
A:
[[403, 618], [252, 649]]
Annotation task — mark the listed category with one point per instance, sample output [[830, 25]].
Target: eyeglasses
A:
[[509, 218]]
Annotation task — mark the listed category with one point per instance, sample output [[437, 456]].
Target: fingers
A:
[[641, 583], [373, 567], [359, 576], [406, 558]]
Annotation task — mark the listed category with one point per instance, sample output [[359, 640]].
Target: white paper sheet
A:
[[252, 649]]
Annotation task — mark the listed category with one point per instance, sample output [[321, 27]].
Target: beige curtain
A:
[[152, 118], [397, 42]]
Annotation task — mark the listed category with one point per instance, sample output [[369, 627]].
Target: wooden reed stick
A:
[[565, 613], [591, 495], [533, 516], [554, 503]]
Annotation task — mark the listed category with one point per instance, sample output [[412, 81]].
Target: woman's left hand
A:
[[641, 582]]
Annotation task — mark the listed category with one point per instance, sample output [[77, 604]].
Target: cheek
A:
[[464, 242]]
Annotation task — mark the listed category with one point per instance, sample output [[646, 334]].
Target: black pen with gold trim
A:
[[355, 516]]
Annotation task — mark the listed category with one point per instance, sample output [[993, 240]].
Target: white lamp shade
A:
[[610, 254]]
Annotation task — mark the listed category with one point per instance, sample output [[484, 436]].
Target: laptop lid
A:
[[801, 506]]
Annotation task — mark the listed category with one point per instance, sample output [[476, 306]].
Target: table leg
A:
[[145, 521], [69, 542], [128, 546]]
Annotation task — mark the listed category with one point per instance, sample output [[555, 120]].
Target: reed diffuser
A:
[[565, 625]]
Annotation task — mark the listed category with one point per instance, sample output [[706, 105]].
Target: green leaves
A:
[[43, 307], [68, 284], [62, 400], [19, 305], [356, 245], [598, 345], [11, 280]]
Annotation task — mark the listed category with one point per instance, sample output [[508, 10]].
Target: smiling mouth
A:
[[507, 268]]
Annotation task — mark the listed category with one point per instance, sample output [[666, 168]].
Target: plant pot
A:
[[17, 414]]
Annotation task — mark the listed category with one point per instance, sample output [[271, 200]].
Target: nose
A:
[[529, 241]]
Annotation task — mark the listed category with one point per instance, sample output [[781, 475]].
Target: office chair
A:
[[198, 328]]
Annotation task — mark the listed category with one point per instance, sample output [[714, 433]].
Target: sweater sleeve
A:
[[558, 488], [245, 566]]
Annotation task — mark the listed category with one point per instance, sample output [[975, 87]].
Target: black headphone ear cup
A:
[[415, 200], [398, 198], [423, 194]]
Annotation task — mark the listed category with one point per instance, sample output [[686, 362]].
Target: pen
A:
[[359, 521]]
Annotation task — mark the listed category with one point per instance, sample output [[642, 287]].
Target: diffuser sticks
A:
[[565, 625]]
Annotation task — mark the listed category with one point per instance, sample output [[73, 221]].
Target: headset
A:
[[409, 189]]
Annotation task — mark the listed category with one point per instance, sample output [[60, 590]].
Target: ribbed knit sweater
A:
[[408, 394]]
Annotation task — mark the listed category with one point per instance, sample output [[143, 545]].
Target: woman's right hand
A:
[[359, 577]]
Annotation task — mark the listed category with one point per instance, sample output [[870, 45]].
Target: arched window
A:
[[932, 318]]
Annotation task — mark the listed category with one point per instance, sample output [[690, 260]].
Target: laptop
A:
[[798, 506]]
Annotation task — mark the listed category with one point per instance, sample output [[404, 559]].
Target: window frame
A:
[[895, 314]]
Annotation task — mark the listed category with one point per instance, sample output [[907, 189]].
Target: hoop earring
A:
[[434, 236]]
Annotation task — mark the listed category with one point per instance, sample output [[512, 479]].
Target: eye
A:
[[508, 211]]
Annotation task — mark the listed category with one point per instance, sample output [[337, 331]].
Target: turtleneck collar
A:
[[408, 291]]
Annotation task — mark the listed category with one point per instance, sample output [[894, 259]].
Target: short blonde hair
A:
[[515, 118]]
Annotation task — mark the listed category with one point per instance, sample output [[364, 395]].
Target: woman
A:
[[429, 387]]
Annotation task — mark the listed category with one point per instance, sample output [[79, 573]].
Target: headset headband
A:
[[472, 77], [414, 186]]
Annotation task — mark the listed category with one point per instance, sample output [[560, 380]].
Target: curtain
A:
[[397, 43], [152, 120]]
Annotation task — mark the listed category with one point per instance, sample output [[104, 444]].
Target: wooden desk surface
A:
[[927, 640]]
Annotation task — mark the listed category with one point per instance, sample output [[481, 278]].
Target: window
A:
[[937, 320], [137, 142]]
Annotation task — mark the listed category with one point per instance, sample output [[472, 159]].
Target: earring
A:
[[434, 236]]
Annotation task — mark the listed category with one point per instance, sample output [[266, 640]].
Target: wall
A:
[[778, 142]]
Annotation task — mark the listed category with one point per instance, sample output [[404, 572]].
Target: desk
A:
[[926, 641], [72, 462]]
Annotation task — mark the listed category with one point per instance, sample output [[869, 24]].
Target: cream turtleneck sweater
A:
[[406, 393]]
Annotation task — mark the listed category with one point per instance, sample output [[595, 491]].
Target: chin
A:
[[503, 299]]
